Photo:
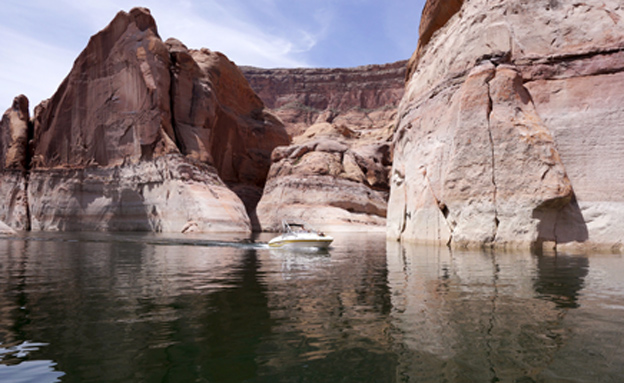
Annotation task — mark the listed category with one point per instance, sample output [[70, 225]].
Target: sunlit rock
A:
[[14, 158], [148, 135], [501, 139]]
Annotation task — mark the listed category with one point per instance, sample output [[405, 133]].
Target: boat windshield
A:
[[290, 227]]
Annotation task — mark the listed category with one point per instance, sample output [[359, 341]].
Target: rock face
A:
[[167, 194], [435, 14], [365, 97], [335, 174], [331, 177], [148, 135], [219, 120], [502, 139], [6, 229], [14, 158]]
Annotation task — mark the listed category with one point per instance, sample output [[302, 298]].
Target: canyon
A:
[[504, 129], [335, 172], [148, 135]]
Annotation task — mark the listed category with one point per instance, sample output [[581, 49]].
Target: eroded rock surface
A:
[[14, 158], [503, 138], [114, 107], [219, 120], [364, 97], [145, 135], [331, 177], [167, 194], [335, 174]]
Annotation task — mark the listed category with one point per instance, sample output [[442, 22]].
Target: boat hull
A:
[[301, 243]]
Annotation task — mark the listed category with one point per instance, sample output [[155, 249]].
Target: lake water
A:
[[150, 308]]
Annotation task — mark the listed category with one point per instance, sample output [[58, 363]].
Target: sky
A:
[[40, 39]]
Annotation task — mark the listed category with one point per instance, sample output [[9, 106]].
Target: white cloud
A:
[[30, 67], [242, 42]]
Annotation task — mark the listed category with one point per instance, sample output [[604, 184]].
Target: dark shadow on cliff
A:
[[250, 196], [561, 225], [129, 212]]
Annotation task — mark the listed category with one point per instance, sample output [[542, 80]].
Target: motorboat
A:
[[299, 235]]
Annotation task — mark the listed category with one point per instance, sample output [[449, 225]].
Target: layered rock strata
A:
[[335, 174], [219, 120], [331, 177], [167, 194], [364, 97], [510, 126], [148, 135]]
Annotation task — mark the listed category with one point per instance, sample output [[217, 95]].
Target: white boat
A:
[[296, 235]]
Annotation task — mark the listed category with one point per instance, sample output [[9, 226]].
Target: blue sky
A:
[[41, 38]]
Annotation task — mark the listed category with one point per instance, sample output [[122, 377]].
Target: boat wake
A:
[[139, 239]]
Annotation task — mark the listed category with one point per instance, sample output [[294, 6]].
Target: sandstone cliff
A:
[[510, 129], [364, 97], [14, 159], [331, 177], [335, 174], [144, 135]]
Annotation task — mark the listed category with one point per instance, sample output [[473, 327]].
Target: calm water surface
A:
[[147, 308]]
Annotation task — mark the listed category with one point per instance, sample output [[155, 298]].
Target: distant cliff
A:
[[335, 174], [511, 128], [361, 97]]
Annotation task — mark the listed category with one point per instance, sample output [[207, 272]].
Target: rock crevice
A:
[[490, 109]]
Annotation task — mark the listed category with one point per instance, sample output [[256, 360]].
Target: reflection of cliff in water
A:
[[560, 278], [145, 310], [137, 311], [331, 314], [474, 316], [221, 342]]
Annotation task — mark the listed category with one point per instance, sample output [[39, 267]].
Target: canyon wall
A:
[[335, 173], [364, 97], [507, 132], [510, 130], [141, 135]]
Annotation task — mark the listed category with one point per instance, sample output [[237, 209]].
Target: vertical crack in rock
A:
[[172, 113], [443, 210], [29, 166], [489, 127]]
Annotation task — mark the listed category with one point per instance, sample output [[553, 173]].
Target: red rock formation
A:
[[14, 130], [335, 173], [14, 135], [499, 122], [219, 120], [331, 177], [365, 97], [114, 106], [142, 134]]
